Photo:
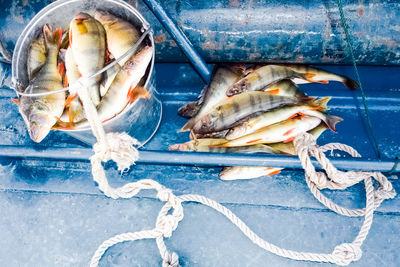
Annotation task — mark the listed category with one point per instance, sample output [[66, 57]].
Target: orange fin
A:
[[65, 80], [61, 125], [325, 81], [253, 141], [274, 91], [137, 92], [15, 100], [289, 139], [288, 132], [61, 68], [69, 99], [275, 172], [293, 116]]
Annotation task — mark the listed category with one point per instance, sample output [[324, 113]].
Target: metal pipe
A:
[[201, 159], [180, 38]]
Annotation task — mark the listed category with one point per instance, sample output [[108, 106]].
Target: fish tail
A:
[[52, 37], [331, 121], [349, 83], [320, 104], [136, 93]]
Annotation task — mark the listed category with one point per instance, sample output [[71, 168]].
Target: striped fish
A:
[[41, 113], [313, 108], [284, 131], [238, 108], [87, 42], [262, 78]]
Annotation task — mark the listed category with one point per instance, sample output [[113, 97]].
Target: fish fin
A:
[[189, 125], [52, 37], [290, 139], [324, 81], [253, 141], [288, 132], [274, 91], [274, 172], [109, 118], [351, 84], [61, 68], [15, 100], [320, 104], [66, 80], [193, 135], [70, 38], [331, 121], [62, 125], [69, 99], [309, 76], [137, 92], [293, 116], [301, 114]]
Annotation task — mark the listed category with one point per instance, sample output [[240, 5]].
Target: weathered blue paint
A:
[[180, 38], [293, 31]]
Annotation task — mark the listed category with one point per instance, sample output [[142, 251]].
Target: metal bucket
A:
[[141, 118]]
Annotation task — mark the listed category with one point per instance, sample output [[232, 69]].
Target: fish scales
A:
[[228, 114]]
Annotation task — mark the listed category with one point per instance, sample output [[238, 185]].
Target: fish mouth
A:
[[38, 132], [203, 126]]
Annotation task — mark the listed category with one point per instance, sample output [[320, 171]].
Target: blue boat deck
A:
[[53, 214]]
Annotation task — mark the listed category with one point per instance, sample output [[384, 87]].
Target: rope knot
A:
[[170, 260], [345, 253], [381, 194]]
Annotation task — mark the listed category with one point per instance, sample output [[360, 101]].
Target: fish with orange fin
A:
[[284, 131], [73, 108], [244, 173], [263, 77], [236, 109], [123, 91], [289, 149], [40, 113], [88, 42], [312, 108], [320, 76]]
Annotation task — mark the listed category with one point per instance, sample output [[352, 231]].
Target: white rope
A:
[[119, 147]]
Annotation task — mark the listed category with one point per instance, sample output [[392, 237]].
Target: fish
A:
[[285, 88], [121, 35], [321, 76], [87, 40], [234, 110], [220, 134], [289, 149], [74, 110], [189, 110], [36, 56], [208, 145], [243, 173], [41, 113], [214, 93], [263, 77], [123, 90], [312, 108], [284, 131]]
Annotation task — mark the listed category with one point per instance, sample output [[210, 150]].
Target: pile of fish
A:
[[257, 109], [57, 59]]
